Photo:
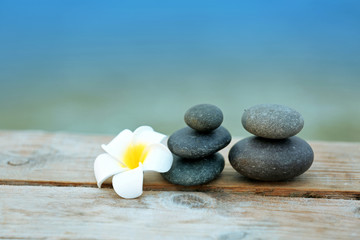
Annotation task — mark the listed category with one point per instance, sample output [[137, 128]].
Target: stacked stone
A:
[[275, 154], [195, 148]]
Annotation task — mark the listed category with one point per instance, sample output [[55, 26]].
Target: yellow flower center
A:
[[134, 155]]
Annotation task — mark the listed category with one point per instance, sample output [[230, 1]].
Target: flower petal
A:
[[105, 167], [129, 184], [164, 141], [118, 146], [159, 158], [143, 129], [147, 136]]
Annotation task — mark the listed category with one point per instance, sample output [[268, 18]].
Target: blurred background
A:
[[102, 66]]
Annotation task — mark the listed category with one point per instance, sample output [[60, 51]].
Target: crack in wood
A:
[[190, 201], [18, 162]]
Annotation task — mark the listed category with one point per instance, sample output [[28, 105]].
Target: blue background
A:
[[102, 66]]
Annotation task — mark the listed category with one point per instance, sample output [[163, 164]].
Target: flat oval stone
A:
[[188, 143], [272, 121], [271, 160], [190, 172], [204, 117]]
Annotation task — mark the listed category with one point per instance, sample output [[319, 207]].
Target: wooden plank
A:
[[42, 158], [38, 212]]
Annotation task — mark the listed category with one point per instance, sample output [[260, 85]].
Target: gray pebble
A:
[[190, 172], [188, 143], [271, 160], [272, 121], [204, 117]]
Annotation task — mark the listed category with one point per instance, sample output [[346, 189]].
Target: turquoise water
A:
[[102, 66]]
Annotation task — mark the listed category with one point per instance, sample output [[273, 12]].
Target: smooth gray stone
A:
[[271, 160], [190, 172], [204, 117], [188, 143], [272, 121]]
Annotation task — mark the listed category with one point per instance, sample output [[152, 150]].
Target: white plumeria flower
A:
[[127, 156]]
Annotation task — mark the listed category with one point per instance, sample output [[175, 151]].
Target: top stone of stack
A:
[[272, 121], [204, 117]]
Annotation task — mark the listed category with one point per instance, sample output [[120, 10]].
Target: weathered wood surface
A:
[[61, 159], [48, 191], [38, 212]]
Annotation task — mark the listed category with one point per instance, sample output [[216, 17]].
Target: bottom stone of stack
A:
[[271, 160], [191, 172]]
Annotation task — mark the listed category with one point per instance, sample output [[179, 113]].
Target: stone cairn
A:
[[274, 153], [195, 148]]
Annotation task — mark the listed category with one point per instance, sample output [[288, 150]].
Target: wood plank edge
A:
[[264, 191], [259, 191]]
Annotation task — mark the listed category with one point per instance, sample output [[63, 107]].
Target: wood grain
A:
[[62, 159], [38, 212]]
